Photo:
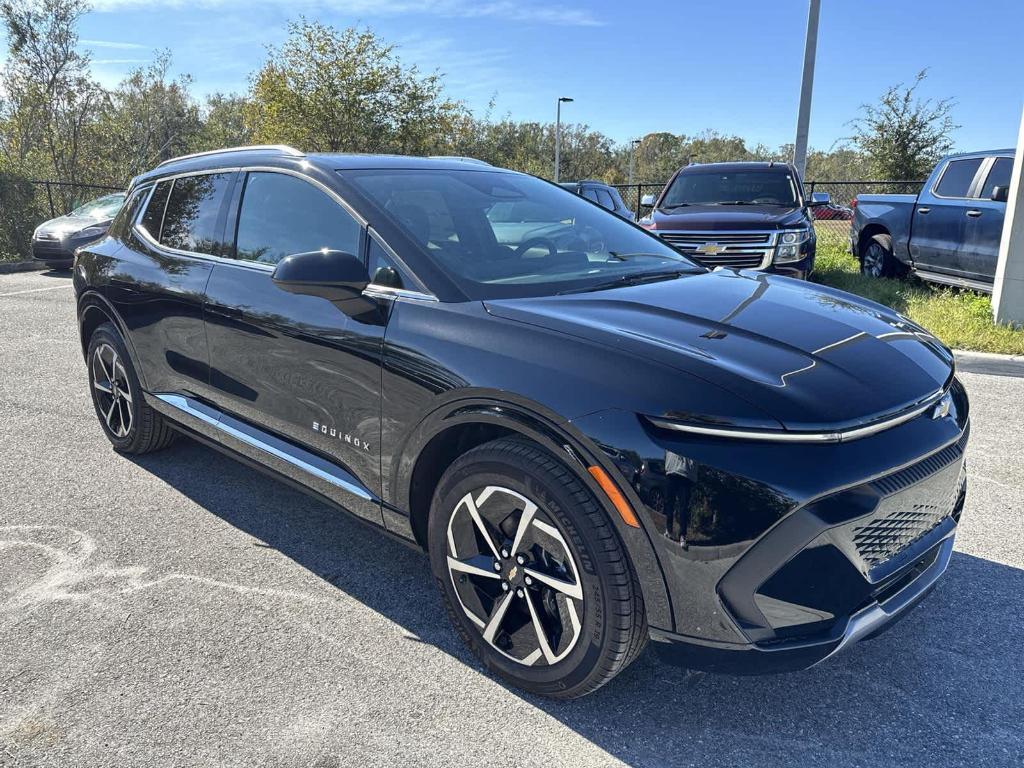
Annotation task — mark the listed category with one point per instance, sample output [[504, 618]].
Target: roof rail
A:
[[283, 148]]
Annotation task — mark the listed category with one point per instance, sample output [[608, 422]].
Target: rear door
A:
[[984, 223], [296, 367], [157, 282], [940, 220]]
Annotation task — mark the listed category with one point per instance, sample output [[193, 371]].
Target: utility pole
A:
[[1008, 291], [632, 156], [803, 119], [558, 133]]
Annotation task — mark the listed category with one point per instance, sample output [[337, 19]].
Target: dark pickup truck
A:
[[949, 233], [749, 215]]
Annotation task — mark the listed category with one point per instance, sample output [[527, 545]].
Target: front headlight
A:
[[790, 242], [91, 232]]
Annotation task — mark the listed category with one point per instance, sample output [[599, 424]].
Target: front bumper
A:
[[52, 252]]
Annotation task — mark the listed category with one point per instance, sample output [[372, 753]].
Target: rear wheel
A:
[[127, 421], [877, 259], [532, 572]]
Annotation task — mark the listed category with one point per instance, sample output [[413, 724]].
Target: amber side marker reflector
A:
[[618, 500]]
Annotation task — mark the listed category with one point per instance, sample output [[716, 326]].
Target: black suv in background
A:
[[603, 194], [597, 441], [742, 215]]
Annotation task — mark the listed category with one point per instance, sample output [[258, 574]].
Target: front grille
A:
[[736, 250], [885, 536], [927, 467]]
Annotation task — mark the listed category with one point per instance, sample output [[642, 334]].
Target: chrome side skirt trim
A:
[[255, 438]]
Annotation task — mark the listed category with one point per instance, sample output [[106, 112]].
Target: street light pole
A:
[[632, 156], [558, 133], [803, 119]]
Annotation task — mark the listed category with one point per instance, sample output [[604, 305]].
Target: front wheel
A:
[[534, 576]]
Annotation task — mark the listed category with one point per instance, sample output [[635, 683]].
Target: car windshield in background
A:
[[768, 187], [500, 234], [105, 207]]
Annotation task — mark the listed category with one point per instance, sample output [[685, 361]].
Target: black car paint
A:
[[577, 374]]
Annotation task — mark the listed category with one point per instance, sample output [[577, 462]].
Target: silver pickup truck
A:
[[949, 233]]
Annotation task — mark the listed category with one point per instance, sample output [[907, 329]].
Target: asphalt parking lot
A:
[[181, 609]]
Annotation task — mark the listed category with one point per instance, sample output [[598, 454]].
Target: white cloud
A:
[[111, 44], [503, 10]]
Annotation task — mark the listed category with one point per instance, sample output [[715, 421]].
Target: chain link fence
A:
[[27, 203], [831, 222]]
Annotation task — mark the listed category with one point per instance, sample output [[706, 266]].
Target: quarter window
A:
[[281, 215], [193, 212], [957, 178], [383, 270], [999, 176], [605, 199], [129, 212], [154, 214]]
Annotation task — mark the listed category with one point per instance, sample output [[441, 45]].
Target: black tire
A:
[[127, 421], [612, 630], [877, 259]]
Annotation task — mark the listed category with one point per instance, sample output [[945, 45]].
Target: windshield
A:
[[105, 207], [768, 187], [501, 234]]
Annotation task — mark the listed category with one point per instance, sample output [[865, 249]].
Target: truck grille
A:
[[737, 250]]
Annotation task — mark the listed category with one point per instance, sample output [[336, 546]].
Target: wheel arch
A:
[[868, 232], [456, 427], [93, 311]]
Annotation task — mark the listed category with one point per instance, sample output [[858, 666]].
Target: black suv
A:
[[597, 441], [741, 215]]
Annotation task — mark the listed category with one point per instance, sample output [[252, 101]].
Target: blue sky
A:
[[633, 67]]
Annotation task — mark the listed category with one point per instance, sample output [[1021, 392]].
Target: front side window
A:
[[281, 215], [956, 179], [767, 187], [999, 176], [193, 213], [500, 234]]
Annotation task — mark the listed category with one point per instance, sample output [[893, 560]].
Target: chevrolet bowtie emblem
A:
[[512, 573], [710, 249], [941, 409]]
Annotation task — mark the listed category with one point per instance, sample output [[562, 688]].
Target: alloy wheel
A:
[[514, 576], [113, 392], [874, 260]]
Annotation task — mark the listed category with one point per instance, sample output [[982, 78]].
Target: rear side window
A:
[[957, 178], [193, 213], [999, 176], [129, 212], [281, 215], [154, 214], [605, 199]]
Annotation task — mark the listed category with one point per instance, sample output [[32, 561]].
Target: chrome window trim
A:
[[836, 436], [387, 292]]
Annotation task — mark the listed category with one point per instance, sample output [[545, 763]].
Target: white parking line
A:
[[35, 290]]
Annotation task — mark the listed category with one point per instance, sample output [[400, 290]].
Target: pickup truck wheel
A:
[[877, 260]]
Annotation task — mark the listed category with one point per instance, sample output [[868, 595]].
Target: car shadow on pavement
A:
[[942, 687]]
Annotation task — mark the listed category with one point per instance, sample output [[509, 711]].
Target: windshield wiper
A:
[[738, 202], [634, 278], [674, 206]]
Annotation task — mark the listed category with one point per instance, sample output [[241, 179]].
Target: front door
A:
[[295, 366], [984, 225]]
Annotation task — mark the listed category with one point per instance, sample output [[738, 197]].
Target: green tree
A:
[[903, 136], [223, 119], [330, 90]]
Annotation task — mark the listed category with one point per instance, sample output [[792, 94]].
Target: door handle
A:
[[974, 213], [923, 210]]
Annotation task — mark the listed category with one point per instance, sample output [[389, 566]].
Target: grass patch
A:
[[962, 319]]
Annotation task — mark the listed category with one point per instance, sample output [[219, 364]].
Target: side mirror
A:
[[648, 200], [819, 199], [1000, 194], [331, 275]]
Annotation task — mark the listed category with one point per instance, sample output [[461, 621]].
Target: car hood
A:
[[728, 217], [808, 356], [68, 225]]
